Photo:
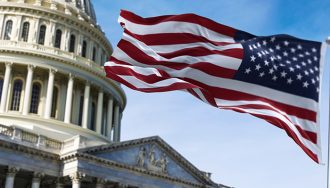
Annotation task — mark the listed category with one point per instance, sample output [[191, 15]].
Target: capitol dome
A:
[[52, 82]]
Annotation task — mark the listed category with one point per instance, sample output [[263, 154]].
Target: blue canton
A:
[[281, 62]]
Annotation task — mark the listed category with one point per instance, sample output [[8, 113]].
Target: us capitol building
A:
[[60, 117]]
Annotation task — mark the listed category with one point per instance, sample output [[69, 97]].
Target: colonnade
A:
[[113, 114]]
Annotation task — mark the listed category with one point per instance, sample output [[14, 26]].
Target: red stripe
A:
[[138, 55], [190, 18], [311, 136], [172, 87], [279, 123], [173, 38], [232, 95], [201, 51]]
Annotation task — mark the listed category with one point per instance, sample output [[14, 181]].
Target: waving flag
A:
[[275, 78]]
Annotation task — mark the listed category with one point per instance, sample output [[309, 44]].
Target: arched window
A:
[[8, 29], [16, 97], [42, 34], [84, 49], [94, 54], [35, 98], [58, 38], [93, 111], [1, 84], [72, 43], [25, 31], [54, 102]]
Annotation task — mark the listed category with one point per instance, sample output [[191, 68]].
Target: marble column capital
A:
[[76, 177], [31, 67], [12, 170], [9, 64]]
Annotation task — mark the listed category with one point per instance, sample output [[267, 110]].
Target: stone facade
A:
[[60, 117]]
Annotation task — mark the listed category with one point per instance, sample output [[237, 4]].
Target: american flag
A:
[[275, 78]]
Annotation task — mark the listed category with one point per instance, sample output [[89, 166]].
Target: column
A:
[[5, 87], [16, 28], [27, 92], [68, 103], [100, 182], [36, 179], [76, 179], [86, 105], [59, 183], [110, 117], [116, 136], [99, 112], [10, 179], [49, 96]]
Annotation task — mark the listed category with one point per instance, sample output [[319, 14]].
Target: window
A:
[[16, 97], [72, 43], [1, 84], [92, 127], [8, 28], [54, 102], [25, 31], [35, 98], [84, 49], [58, 38], [94, 54], [81, 107], [42, 34]]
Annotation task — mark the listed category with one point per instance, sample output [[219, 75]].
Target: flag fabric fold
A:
[[275, 78]]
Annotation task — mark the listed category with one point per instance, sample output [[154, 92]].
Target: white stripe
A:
[[216, 59], [231, 84], [144, 85], [177, 47], [146, 71], [175, 27], [313, 147], [201, 95], [303, 123]]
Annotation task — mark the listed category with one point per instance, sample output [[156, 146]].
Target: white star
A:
[[271, 50], [258, 67], [247, 71], [272, 39], [315, 68], [286, 43], [285, 53], [307, 53], [291, 69], [299, 47], [279, 57], [294, 59], [275, 67], [317, 78], [264, 43], [299, 76], [306, 73], [315, 58], [261, 74], [317, 89], [274, 78], [263, 52], [313, 50], [289, 81], [313, 81], [305, 84], [271, 71], [278, 47], [250, 47], [293, 50], [309, 61], [303, 63], [253, 58], [254, 46], [301, 55], [272, 58], [259, 54], [311, 71], [288, 62], [266, 63], [298, 67], [283, 74], [258, 44]]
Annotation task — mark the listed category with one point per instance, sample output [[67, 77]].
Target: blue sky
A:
[[240, 150]]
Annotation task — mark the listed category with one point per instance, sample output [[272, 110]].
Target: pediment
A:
[[153, 155]]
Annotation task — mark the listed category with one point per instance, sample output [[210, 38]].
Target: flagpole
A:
[[328, 168]]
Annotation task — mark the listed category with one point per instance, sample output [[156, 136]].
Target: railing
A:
[[50, 51], [7, 131], [38, 140]]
